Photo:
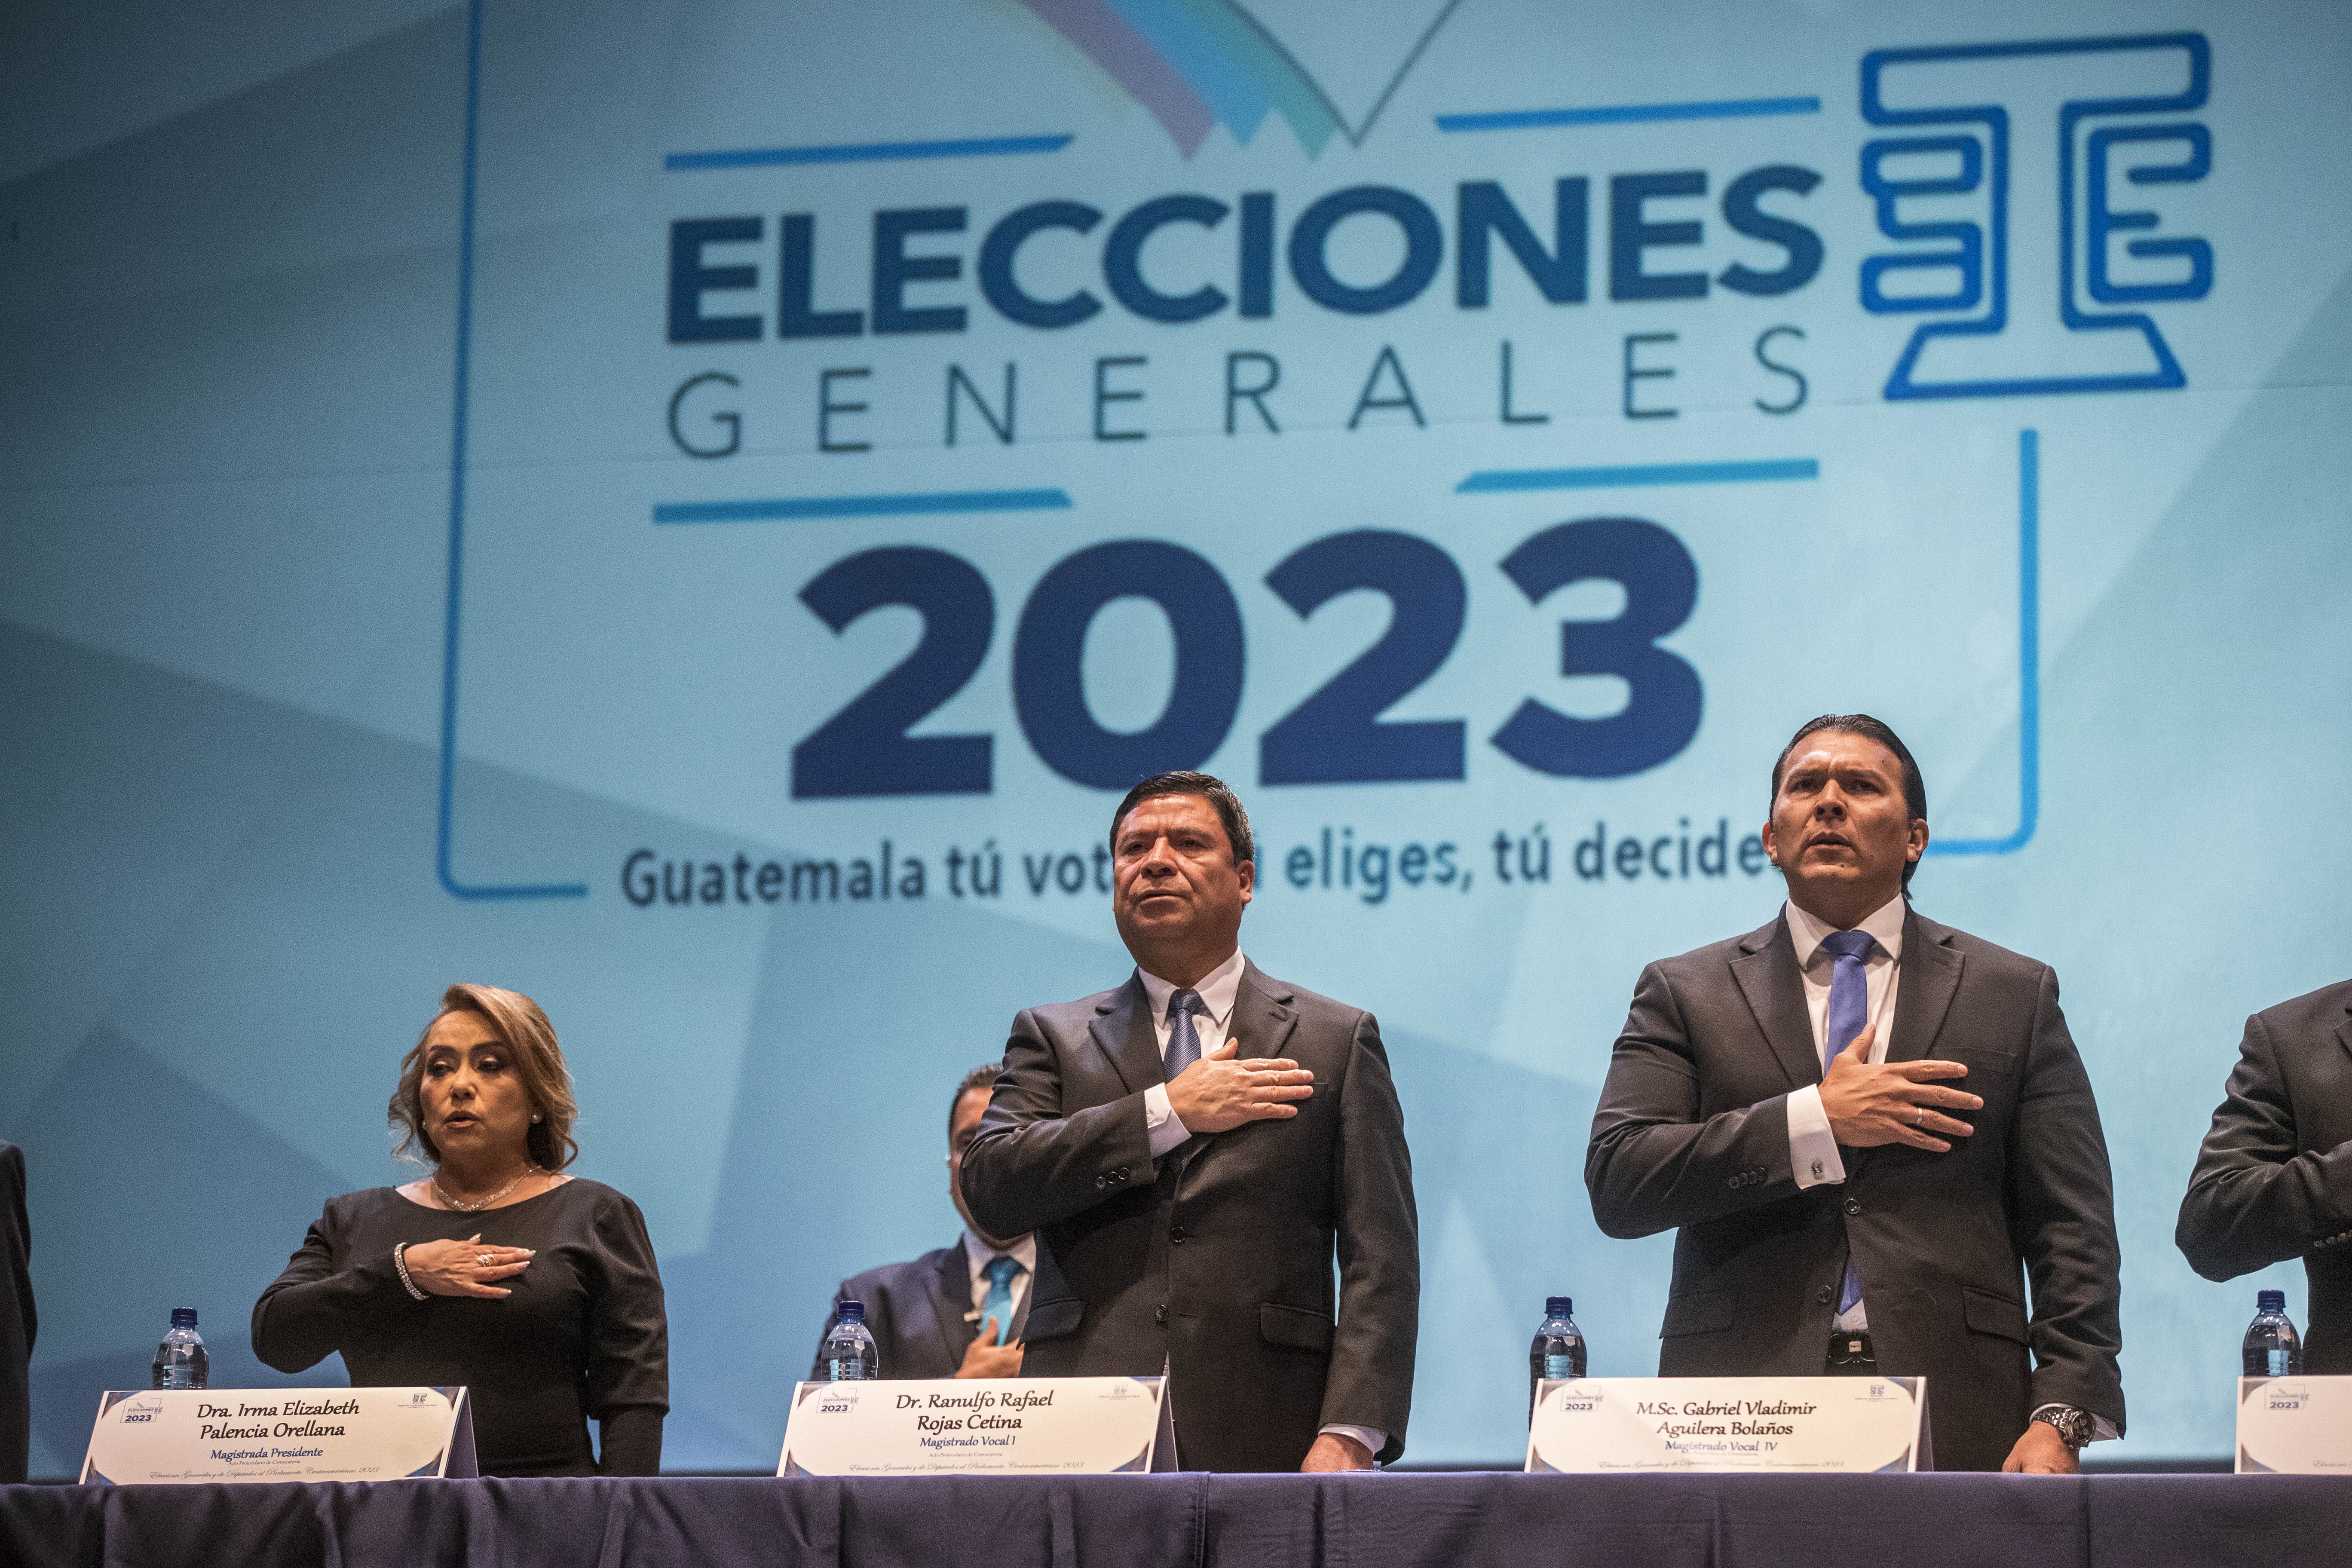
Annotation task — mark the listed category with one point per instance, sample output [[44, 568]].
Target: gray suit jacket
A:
[[1217, 1262], [1692, 1132], [919, 1313], [2274, 1178]]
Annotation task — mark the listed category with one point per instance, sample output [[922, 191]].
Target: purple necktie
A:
[[1849, 1008], [1849, 991]]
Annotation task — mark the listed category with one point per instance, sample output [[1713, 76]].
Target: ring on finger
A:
[[483, 1258]]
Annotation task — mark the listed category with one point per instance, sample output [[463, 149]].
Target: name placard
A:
[[192, 1435], [1014, 1426], [1588, 1426], [2295, 1426]]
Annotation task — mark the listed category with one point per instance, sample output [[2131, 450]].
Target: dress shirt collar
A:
[[977, 1254], [1884, 925], [1217, 988]]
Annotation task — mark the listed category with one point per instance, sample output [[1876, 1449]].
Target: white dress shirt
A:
[[978, 1255], [1218, 988]]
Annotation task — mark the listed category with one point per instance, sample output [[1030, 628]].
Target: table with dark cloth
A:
[[1443, 1521]]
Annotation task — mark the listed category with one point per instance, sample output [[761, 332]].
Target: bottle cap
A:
[[850, 1312], [1558, 1306], [2269, 1301], [183, 1317]]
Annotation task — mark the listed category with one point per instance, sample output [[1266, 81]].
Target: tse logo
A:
[[1987, 215]]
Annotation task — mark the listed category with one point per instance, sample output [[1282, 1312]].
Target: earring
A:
[[534, 1116]]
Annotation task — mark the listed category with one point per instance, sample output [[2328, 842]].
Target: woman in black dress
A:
[[535, 1289]]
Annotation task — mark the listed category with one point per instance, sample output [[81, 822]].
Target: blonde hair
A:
[[523, 1028]]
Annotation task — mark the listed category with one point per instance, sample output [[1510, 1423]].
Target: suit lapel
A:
[[2344, 1034], [1122, 1032], [950, 1299], [1768, 977], [1930, 974], [1262, 1020]]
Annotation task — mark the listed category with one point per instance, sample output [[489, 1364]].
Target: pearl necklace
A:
[[460, 1205]]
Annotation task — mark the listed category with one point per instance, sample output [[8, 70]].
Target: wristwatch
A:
[[2073, 1425]]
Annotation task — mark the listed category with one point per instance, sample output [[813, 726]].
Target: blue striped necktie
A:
[[1183, 1039], [1183, 1050]]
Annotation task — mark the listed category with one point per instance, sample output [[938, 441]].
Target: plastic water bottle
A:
[[2273, 1348], [1558, 1349], [181, 1361], [850, 1350]]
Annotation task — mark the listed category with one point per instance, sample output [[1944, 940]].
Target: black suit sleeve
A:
[[1653, 1162], [631, 1441], [1370, 1380], [1031, 1165], [628, 1322], [314, 1309], [2063, 1221], [2256, 1197], [18, 1321]]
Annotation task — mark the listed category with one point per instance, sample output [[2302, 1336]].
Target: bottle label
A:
[[1559, 1366]]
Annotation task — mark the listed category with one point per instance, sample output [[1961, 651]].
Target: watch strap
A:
[[2071, 1425]]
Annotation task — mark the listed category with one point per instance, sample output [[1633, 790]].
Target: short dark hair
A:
[[978, 1077], [1914, 788], [1210, 788]]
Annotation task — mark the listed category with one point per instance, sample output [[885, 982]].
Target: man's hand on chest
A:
[[1222, 1090], [1893, 1102]]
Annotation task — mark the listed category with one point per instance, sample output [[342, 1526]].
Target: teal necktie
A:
[[1002, 1272]]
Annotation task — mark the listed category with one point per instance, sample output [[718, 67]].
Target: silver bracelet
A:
[[400, 1264]]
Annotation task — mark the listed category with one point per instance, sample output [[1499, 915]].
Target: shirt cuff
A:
[[1160, 1123], [1371, 1437], [2102, 1429], [1812, 1149]]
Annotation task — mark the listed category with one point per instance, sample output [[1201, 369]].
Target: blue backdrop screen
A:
[[694, 511]]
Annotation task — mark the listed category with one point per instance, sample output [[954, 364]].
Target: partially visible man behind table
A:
[[18, 1321], [2274, 1181], [957, 1311]]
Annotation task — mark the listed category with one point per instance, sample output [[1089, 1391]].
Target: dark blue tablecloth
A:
[[1462, 1520]]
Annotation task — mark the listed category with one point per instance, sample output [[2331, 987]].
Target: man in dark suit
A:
[[18, 1322], [957, 1311], [1193, 1148], [2274, 1178], [1874, 1218]]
